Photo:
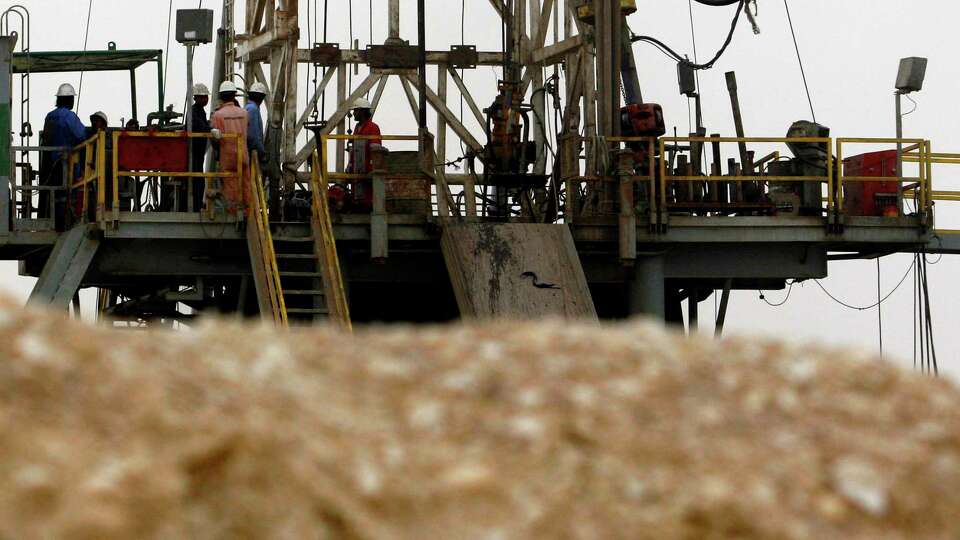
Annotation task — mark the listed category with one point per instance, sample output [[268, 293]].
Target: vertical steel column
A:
[[647, 290], [422, 43], [393, 35]]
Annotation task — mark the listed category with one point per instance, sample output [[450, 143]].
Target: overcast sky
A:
[[850, 50]]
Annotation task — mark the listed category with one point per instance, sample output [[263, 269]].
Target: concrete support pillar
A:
[[647, 290]]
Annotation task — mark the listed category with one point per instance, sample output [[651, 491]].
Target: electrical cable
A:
[[673, 54], [86, 35], [915, 105], [693, 39], [803, 73], [778, 304], [871, 306], [879, 311]]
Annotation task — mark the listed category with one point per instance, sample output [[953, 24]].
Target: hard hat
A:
[[227, 86], [201, 89], [66, 90], [258, 88], [361, 103], [101, 115]]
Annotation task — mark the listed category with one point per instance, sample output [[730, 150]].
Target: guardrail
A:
[[153, 168], [92, 154]]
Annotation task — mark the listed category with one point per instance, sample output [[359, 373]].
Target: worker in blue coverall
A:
[[62, 127], [255, 96]]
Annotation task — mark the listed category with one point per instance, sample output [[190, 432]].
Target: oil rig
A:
[[571, 199]]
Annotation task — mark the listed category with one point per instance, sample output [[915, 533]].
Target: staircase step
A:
[[293, 238], [296, 256], [305, 292], [305, 311], [301, 274]]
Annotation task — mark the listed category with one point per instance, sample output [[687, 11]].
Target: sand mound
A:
[[489, 432]]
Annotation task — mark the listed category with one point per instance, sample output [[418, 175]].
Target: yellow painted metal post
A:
[[661, 212], [831, 215], [116, 176], [839, 178], [101, 170], [651, 170]]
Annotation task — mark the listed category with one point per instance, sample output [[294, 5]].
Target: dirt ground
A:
[[494, 432]]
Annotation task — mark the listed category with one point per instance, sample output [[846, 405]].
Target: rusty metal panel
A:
[[325, 54], [167, 154], [464, 56], [392, 56]]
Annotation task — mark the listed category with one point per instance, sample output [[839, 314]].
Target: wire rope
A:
[[166, 52], [86, 36], [803, 73]]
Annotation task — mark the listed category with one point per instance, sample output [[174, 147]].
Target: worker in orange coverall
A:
[[230, 118]]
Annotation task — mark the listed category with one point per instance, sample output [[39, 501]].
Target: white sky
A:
[[850, 49]]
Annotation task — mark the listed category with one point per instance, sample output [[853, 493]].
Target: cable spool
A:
[[585, 10]]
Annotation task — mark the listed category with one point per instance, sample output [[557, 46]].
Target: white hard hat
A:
[[361, 103], [66, 90], [227, 86], [258, 88], [101, 115], [201, 89]]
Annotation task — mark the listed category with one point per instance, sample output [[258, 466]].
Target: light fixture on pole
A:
[[909, 79], [194, 27]]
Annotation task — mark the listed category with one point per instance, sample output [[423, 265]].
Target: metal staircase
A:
[[297, 276]]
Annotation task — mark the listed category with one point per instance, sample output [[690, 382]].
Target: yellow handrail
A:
[[326, 242], [261, 220], [117, 173], [666, 179]]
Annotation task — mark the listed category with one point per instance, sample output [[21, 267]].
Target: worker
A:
[[255, 97], [61, 127], [361, 155], [231, 119], [98, 123], [199, 124]]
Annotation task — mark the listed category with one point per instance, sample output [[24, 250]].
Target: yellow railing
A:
[[920, 154], [336, 295], [206, 176], [327, 175], [667, 179], [92, 154], [260, 220]]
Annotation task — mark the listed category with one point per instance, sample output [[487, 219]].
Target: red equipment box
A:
[[153, 151], [871, 198]]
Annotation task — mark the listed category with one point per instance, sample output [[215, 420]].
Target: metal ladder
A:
[[297, 276]]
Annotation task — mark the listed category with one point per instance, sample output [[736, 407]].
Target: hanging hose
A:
[[741, 4]]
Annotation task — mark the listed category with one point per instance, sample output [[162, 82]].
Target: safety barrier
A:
[[741, 178], [260, 241], [327, 248], [920, 150], [146, 164], [92, 154]]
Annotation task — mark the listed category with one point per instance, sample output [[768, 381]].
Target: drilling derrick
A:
[[603, 215]]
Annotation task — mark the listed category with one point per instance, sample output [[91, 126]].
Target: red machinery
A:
[[158, 151], [871, 198], [643, 120]]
